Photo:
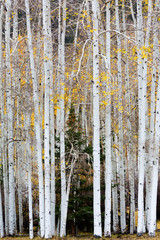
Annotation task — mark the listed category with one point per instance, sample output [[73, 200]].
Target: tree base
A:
[[139, 234], [151, 234], [96, 236], [107, 236]]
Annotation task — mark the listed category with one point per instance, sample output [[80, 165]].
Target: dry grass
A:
[[90, 237], [114, 236]]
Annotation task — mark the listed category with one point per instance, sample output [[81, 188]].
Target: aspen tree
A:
[[64, 203], [10, 123], [16, 88], [5, 168], [155, 127], [114, 187], [141, 131], [121, 160], [48, 78], [36, 124], [28, 156], [38, 69], [2, 125], [108, 169], [52, 149], [29, 184], [96, 125], [130, 156], [89, 65], [1, 215], [59, 71]]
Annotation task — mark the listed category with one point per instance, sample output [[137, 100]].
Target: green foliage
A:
[[81, 207], [74, 133]]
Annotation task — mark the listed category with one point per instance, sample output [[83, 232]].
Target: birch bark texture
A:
[[156, 138], [108, 161], [10, 123], [62, 9], [48, 78], [96, 124], [141, 134]]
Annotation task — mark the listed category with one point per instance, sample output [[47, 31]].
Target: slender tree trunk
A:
[[141, 136], [1, 215], [115, 190], [16, 95], [30, 189], [96, 125], [28, 156], [10, 123], [62, 130], [59, 72], [52, 148], [154, 133], [130, 156], [5, 169], [2, 125], [108, 170], [122, 177], [36, 124], [48, 79]]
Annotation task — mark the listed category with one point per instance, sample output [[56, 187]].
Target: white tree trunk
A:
[[115, 190], [30, 194], [2, 125], [154, 133], [1, 215], [59, 72], [62, 130], [52, 147], [130, 154], [141, 136], [96, 125], [16, 89], [19, 155], [108, 171], [5, 170], [48, 79], [36, 124], [10, 123], [28, 158], [121, 162], [154, 174]]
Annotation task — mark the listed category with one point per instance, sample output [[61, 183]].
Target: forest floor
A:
[[89, 237], [84, 236]]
